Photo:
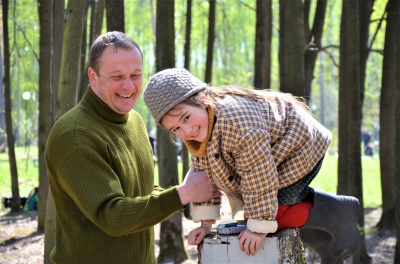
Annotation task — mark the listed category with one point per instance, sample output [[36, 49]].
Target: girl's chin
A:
[[197, 140], [201, 140]]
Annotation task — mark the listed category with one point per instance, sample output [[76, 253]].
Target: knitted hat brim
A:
[[168, 88]]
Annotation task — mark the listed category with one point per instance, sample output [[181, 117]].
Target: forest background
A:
[[358, 96]]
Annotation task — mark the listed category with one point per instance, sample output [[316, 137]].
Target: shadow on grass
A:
[[10, 218], [30, 238], [13, 217]]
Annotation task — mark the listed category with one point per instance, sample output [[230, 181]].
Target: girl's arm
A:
[[250, 241], [197, 235]]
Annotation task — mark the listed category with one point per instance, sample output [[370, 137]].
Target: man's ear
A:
[[92, 75]]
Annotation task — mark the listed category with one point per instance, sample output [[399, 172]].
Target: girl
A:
[[262, 149]]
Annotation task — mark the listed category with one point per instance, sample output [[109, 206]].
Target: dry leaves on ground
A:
[[20, 243]]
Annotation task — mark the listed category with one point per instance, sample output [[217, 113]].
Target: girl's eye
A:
[[175, 129], [186, 118]]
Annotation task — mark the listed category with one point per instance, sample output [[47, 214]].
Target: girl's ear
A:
[[203, 98]]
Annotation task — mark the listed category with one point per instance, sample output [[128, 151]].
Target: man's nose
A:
[[128, 83]]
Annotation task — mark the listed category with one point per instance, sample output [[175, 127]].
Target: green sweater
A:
[[101, 175]]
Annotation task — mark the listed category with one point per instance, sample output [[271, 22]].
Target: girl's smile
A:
[[187, 122]]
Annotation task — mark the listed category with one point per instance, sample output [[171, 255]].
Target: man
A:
[[101, 171]]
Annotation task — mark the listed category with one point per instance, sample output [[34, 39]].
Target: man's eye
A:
[[136, 76], [116, 77]]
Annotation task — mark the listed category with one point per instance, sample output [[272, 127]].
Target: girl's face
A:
[[187, 122]]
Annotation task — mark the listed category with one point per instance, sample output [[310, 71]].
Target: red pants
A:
[[294, 215], [291, 216]]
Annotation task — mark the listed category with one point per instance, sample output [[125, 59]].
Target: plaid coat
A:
[[256, 148]]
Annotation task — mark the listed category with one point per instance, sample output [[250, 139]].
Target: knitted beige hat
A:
[[168, 88]]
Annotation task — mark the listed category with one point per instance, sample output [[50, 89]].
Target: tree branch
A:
[[377, 51], [377, 29], [26, 38], [246, 5], [325, 49]]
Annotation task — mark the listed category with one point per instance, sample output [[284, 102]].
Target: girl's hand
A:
[[250, 242], [197, 235]]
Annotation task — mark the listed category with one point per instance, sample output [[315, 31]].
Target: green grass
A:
[[326, 179], [27, 175]]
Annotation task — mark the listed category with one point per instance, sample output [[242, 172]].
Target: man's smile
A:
[[125, 96]]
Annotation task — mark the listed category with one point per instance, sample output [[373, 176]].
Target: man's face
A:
[[119, 79]]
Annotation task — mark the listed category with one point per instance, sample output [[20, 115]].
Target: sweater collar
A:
[[199, 149], [102, 109]]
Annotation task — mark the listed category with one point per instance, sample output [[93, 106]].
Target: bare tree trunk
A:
[[67, 93], [96, 19], [397, 139], [365, 10], [171, 239], [387, 120], [45, 9], [49, 228], [210, 41], [70, 66], [291, 46], [365, 21], [165, 35], [349, 165], [83, 78], [185, 152], [312, 40], [15, 201], [115, 15], [262, 53], [58, 26], [3, 138]]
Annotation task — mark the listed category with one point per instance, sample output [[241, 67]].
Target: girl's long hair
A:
[[215, 93]]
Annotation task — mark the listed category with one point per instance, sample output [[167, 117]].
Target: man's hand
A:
[[197, 188], [250, 242]]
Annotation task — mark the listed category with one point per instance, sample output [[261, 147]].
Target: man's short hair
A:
[[113, 38]]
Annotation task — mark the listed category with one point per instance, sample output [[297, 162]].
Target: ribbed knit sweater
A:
[[101, 176]]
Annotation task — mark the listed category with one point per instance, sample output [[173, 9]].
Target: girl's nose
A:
[[186, 130]]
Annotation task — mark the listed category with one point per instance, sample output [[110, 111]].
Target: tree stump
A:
[[281, 247]]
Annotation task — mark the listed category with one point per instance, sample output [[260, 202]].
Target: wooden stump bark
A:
[[283, 247]]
